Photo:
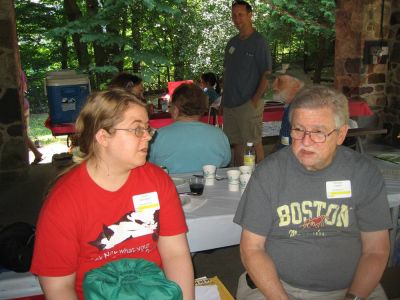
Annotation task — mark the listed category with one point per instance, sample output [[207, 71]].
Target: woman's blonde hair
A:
[[103, 110]]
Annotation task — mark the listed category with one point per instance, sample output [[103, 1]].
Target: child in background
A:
[[209, 84]]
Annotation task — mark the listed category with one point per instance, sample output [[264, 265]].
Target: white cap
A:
[[249, 144]]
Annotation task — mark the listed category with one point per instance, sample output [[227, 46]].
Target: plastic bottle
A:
[[249, 158]]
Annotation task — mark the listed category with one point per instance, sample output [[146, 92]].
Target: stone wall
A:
[[392, 111], [13, 149], [357, 22]]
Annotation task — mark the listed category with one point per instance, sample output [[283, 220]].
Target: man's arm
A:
[[261, 88], [375, 254], [177, 262], [59, 288], [260, 266]]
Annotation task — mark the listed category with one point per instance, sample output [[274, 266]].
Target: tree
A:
[[301, 31], [161, 40]]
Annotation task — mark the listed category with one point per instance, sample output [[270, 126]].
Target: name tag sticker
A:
[[338, 189], [146, 201], [285, 140], [231, 50]]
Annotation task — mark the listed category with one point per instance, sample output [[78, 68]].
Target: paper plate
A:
[[178, 181], [185, 199]]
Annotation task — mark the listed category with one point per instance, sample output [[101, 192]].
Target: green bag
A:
[[133, 279]]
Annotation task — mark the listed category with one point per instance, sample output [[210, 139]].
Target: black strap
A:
[[250, 282]]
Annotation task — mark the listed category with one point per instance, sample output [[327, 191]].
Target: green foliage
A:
[[160, 40]]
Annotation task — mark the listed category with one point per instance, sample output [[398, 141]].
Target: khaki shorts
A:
[[244, 292], [244, 123]]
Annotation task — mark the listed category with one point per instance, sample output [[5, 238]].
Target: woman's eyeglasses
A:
[[139, 131]]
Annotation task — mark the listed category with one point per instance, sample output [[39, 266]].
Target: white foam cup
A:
[[209, 174], [243, 180], [233, 180], [246, 169]]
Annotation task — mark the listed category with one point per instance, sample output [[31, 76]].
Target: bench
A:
[[361, 132]]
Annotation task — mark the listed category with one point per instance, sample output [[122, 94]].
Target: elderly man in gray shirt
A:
[[315, 215]]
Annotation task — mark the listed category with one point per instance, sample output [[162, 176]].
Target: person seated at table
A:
[[209, 84], [188, 144], [314, 215], [285, 87], [99, 211], [129, 82]]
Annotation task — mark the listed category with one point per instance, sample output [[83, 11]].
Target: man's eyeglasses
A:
[[315, 136], [139, 131]]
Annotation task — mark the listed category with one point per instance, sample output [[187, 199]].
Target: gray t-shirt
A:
[[244, 63], [312, 220]]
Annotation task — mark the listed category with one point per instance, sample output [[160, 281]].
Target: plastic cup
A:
[[243, 180], [246, 169], [209, 174], [233, 180], [196, 185]]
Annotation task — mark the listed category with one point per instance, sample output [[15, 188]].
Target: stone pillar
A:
[[392, 111], [13, 149], [358, 21], [348, 58]]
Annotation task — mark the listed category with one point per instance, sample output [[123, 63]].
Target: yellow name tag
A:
[[338, 189], [231, 50], [146, 201]]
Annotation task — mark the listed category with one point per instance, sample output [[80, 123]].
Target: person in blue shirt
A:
[[188, 144]]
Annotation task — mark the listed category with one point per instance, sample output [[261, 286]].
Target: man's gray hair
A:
[[319, 96]]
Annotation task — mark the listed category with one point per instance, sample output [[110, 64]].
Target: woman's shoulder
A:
[[152, 172], [73, 176]]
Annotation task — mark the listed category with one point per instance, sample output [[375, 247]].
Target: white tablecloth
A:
[[211, 226]]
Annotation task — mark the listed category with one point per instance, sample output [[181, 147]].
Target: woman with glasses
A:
[[113, 205]]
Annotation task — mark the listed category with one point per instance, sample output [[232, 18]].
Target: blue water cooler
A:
[[66, 92]]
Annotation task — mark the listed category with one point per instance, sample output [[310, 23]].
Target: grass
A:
[[37, 130]]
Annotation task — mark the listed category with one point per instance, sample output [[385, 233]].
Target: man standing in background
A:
[[247, 65]]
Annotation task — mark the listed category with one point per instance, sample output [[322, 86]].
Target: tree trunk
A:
[[320, 58], [73, 13], [64, 53], [100, 55], [137, 20], [179, 41]]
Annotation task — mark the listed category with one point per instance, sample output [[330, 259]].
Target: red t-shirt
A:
[[82, 226]]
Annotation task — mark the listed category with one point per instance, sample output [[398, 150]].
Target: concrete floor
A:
[[21, 201]]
